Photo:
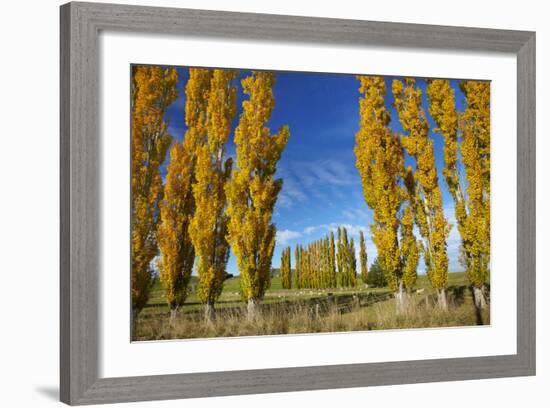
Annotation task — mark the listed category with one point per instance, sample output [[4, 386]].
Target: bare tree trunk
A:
[[209, 312], [442, 299], [401, 299], [252, 309], [479, 297], [173, 314]]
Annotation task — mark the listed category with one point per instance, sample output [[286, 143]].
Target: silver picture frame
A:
[[81, 24]]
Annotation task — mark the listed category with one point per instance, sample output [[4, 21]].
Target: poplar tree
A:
[[472, 208], [303, 271], [328, 267], [153, 90], [352, 265], [318, 256], [344, 247], [380, 161], [332, 262], [347, 259], [322, 263], [476, 155], [432, 223], [252, 190], [208, 228], [298, 267], [340, 258], [363, 257], [307, 267], [286, 274], [177, 254]]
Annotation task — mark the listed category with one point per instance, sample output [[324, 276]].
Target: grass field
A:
[[285, 311]]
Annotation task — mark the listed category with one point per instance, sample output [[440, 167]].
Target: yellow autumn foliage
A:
[[433, 225], [177, 254], [476, 154], [252, 190], [208, 227], [380, 162], [153, 90], [472, 207]]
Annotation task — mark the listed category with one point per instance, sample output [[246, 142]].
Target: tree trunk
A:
[[442, 299], [252, 309], [173, 315], [209, 312], [479, 297], [401, 299]]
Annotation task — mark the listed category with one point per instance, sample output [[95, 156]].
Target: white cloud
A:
[[353, 230], [310, 230], [324, 172], [303, 180], [284, 236], [291, 192]]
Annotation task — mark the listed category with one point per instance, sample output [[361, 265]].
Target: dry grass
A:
[[422, 312], [305, 317]]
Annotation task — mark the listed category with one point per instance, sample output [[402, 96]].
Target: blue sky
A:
[[321, 187]]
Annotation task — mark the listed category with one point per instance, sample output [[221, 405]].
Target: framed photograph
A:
[[291, 203]]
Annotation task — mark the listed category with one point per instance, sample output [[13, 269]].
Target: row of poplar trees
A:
[[401, 197], [207, 203], [325, 263]]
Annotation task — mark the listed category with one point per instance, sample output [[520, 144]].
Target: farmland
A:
[[295, 311]]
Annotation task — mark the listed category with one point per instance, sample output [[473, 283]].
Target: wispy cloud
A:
[[285, 236], [310, 230], [357, 214], [306, 179], [291, 193], [329, 171]]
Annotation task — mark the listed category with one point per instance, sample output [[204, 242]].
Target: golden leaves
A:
[[379, 160], [176, 250], [252, 191], [208, 227], [427, 201], [193, 219], [476, 153], [153, 89], [472, 207]]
